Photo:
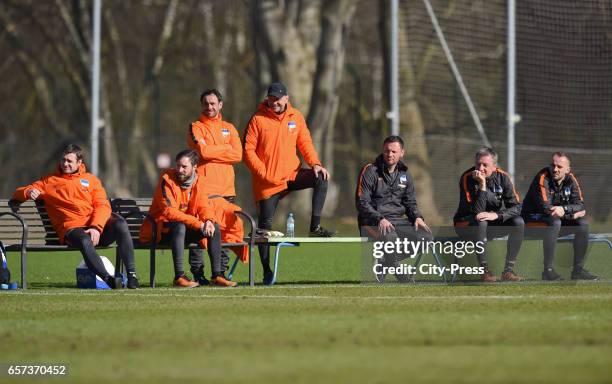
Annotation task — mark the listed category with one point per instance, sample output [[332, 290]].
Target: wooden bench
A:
[[26, 227]]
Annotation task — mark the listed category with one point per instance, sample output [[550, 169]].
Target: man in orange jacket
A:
[[217, 143], [184, 215], [271, 139], [81, 214]]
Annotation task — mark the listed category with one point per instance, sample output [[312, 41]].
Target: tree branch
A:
[[69, 23], [144, 97], [35, 72]]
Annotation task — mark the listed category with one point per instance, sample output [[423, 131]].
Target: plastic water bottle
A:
[[290, 226]]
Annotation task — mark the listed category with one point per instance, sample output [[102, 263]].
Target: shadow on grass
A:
[[37, 285], [317, 282]]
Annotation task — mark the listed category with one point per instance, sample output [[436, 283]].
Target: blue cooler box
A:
[[86, 279]]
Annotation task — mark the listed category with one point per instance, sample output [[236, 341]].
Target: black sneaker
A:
[[203, 281], [582, 274], [319, 231], [268, 278], [549, 274], [114, 282], [199, 277], [132, 281]]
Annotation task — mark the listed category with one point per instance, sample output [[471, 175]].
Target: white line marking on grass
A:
[[190, 294], [491, 297], [172, 294]]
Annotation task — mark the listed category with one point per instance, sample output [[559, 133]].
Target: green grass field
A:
[[326, 328]]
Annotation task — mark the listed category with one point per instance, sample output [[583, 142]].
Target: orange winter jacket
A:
[[218, 144], [192, 207], [231, 226], [270, 144], [72, 200], [173, 203]]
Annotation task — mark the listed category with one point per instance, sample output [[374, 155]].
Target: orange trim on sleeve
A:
[[465, 187], [543, 188], [462, 224], [359, 189], [577, 185], [518, 198]]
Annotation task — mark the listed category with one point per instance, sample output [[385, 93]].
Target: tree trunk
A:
[[411, 122], [336, 16], [289, 31], [140, 153]]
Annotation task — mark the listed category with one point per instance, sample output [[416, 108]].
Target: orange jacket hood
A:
[[204, 119], [82, 169]]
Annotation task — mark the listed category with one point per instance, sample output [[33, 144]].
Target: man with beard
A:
[[386, 201], [555, 202], [272, 136], [183, 215], [217, 143]]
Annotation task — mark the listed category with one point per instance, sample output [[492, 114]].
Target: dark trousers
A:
[[115, 229], [179, 236], [404, 229], [267, 207], [486, 230], [556, 227]]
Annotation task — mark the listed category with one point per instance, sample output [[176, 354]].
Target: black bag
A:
[[5, 274]]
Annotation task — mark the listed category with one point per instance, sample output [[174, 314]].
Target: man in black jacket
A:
[[487, 199], [386, 201], [554, 201]]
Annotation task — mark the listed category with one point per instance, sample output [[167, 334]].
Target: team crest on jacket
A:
[[84, 182], [292, 125], [402, 181], [567, 192], [225, 132]]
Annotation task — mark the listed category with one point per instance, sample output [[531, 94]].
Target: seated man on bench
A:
[[81, 214], [386, 201], [489, 207], [183, 215], [554, 201]]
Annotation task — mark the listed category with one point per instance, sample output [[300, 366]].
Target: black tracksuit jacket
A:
[[544, 193], [500, 197], [382, 195]]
